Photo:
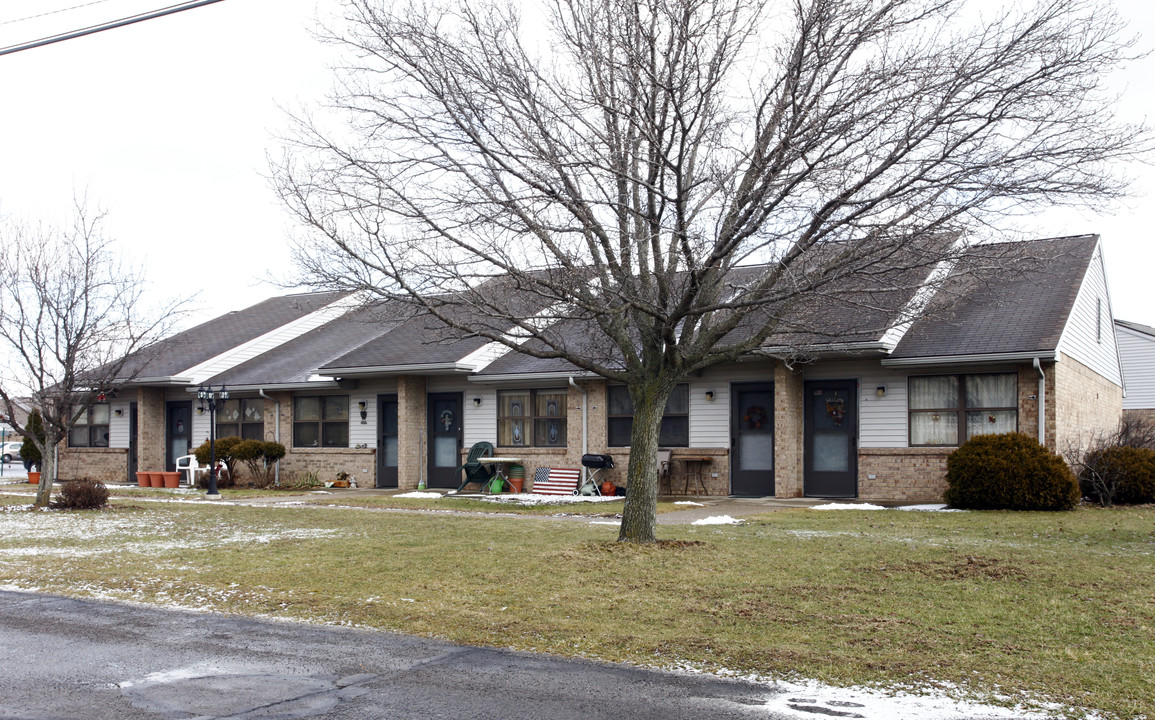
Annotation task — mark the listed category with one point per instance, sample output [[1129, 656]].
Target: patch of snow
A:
[[606, 522], [416, 494], [809, 699], [848, 506], [929, 507], [718, 520], [690, 502], [535, 499]]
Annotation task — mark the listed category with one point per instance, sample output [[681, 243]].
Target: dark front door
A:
[[444, 440], [386, 441], [831, 439], [177, 432], [133, 461], [752, 436]]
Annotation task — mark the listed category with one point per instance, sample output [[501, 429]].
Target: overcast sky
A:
[[167, 124]]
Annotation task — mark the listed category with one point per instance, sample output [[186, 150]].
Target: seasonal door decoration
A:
[[755, 417], [446, 420], [835, 409]]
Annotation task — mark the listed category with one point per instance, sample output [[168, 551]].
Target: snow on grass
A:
[[615, 523], [848, 506], [718, 520], [535, 499], [417, 494], [690, 502], [928, 507], [810, 699]]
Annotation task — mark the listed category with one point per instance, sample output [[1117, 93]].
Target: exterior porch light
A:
[[880, 391], [209, 397], [476, 402], [364, 413], [710, 395]]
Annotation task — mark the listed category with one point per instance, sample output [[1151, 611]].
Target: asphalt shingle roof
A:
[[1020, 307], [297, 360], [173, 355]]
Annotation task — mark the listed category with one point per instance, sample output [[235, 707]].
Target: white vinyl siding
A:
[[1137, 353], [710, 419], [881, 420], [119, 427], [480, 422], [365, 434], [1082, 338]]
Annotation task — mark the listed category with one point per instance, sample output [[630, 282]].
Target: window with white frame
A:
[[531, 418], [91, 429], [321, 421], [675, 430], [947, 410]]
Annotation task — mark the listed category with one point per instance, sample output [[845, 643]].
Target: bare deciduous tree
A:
[[70, 313], [678, 181]]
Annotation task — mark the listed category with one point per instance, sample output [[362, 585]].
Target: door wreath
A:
[[755, 417]]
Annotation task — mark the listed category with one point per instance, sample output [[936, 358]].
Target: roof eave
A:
[[1050, 355], [517, 377], [449, 368]]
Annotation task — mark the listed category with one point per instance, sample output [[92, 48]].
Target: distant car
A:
[[11, 452]]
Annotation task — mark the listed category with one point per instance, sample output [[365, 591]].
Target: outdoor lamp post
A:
[[209, 396]]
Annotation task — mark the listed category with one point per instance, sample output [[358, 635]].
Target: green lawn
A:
[[1058, 607]]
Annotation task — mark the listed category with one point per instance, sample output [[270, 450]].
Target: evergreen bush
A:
[[29, 453], [1011, 471]]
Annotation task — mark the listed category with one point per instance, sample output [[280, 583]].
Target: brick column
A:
[[150, 429], [788, 419], [411, 427]]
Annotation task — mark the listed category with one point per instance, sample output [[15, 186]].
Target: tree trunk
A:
[[640, 513], [47, 469]]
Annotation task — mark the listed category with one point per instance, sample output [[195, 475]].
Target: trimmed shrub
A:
[[1011, 471], [224, 454], [1120, 475], [83, 494]]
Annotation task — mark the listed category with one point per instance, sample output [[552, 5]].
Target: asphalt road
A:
[[63, 659]]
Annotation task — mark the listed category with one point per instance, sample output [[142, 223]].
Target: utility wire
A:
[[54, 12], [92, 29]]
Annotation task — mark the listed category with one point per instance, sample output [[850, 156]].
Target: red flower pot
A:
[[156, 479], [142, 479], [171, 480]]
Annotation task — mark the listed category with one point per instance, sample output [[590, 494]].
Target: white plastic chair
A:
[[189, 464]]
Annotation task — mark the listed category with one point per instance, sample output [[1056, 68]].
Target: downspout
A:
[[1042, 402], [276, 433], [585, 424]]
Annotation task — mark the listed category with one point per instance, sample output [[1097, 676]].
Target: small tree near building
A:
[[681, 183], [71, 311]]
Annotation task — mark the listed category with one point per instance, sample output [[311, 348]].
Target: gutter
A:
[[276, 433], [448, 367], [1052, 355], [530, 376], [1042, 402], [585, 424]]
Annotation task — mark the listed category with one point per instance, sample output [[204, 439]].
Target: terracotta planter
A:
[[33, 477], [156, 479], [516, 484], [171, 480], [142, 479]]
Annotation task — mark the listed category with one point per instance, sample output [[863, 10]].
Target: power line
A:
[[92, 29], [54, 12]]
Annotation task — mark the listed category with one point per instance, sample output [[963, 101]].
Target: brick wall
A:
[[1147, 414], [1087, 404], [103, 464], [150, 429], [907, 474], [360, 463], [411, 427], [788, 423]]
